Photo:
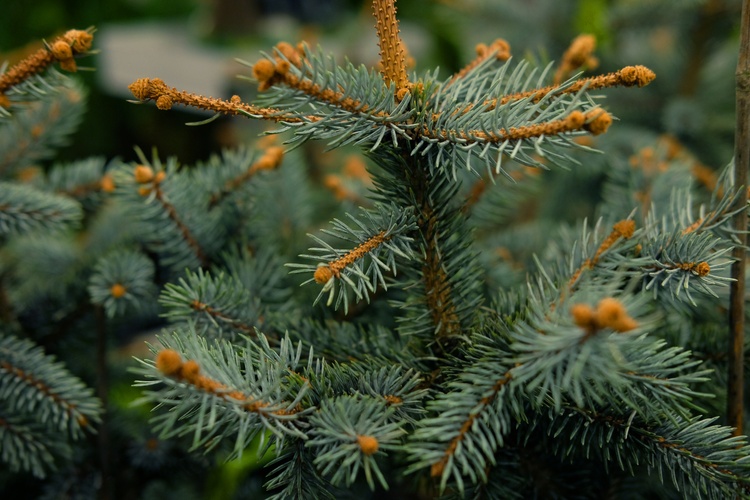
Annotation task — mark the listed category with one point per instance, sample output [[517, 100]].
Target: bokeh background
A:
[[192, 44]]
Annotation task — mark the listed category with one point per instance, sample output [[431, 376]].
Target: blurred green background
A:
[[691, 44]]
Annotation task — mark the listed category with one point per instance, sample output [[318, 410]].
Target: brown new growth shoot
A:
[[324, 273], [170, 363], [392, 53], [499, 49], [595, 121], [155, 89], [628, 76], [579, 54], [63, 50]]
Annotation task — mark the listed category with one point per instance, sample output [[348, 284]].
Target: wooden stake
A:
[[735, 400]]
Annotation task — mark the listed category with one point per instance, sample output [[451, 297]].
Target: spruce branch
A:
[[123, 280], [171, 211], [629, 76], [29, 445], [24, 209], [170, 363], [49, 111], [620, 363], [155, 89], [63, 50], [295, 476], [468, 422], [443, 279], [86, 180], [218, 304], [269, 160], [301, 77], [684, 262], [346, 435], [350, 105], [622, 230], [214, 392], [383, 234], [150, 183], [596, 121], [35, 383], [699, 457]]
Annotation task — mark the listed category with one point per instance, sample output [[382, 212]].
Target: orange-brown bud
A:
[[323, 275], [702, 269], [576, 119], [143, 174], [61, 50], [636, 75], [164, 102], [190, 371], [368, 444], [169, 362], [600, 121], [107, 183], [118, 290], [263, 70], [583, 315]]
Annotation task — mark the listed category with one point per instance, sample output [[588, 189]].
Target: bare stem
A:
[[737, 291], [102, 391]]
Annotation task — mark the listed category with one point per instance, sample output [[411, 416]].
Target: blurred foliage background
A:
[[690, 44]]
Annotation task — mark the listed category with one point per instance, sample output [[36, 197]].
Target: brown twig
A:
[[735, 391]]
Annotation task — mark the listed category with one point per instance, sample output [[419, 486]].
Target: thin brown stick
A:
[[735, 403], [102, 392]]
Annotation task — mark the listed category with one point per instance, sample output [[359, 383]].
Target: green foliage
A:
[[43, 408], [27, 209]]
